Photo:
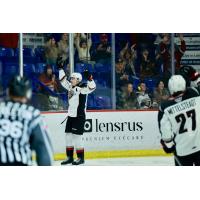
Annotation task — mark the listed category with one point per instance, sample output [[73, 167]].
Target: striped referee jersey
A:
[[22, 130]]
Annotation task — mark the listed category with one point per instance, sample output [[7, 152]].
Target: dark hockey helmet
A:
[[20, 87], [188, 73]]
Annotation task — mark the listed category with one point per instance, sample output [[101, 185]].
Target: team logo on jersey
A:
[[70, 94]]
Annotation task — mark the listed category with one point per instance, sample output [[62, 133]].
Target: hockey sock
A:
[[80, 153], [70, 151]]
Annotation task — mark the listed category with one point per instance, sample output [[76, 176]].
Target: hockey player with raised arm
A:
[[179, 122], [22, 129], [77, 97]]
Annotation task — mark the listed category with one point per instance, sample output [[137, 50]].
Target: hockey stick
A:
[[64, 120], [177, 160]]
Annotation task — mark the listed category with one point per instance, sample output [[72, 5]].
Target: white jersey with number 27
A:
[[179, 121]]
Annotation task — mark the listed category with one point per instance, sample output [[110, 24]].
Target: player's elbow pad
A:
[[61, 74]]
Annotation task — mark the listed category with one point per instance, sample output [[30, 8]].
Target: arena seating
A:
[[27, 52], [80, 67], [6, 52], [150, 83], [29, 69], [39, 54], [40, 68], [91, 102], [34, 64], [136, 83], [10, 69], [103, 102]]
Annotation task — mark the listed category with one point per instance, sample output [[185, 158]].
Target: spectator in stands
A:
[[51, 51], [179, 51], [49, 81], [63, 47], [103, 51], [164, 54], [127, 99], [143, 97], [147, 68], [80, 35], [160, 94], [83, 45], [122, 77], [128, 55]]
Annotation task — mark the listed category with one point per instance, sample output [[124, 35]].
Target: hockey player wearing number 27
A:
[[77, 97], [179, 118]]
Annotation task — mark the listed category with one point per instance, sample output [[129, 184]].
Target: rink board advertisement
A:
[[110, 131]]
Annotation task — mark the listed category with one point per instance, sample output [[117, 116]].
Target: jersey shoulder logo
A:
[[71, 93]]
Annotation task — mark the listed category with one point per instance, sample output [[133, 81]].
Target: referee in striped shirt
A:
[[22, 129]]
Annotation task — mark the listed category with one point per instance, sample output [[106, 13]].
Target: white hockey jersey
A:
[[179, 121], [77, 96]]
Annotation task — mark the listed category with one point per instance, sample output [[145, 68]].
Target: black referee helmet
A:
[[20, 87]]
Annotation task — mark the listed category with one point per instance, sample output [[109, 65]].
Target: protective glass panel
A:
[[9, 60], [42, 53], [143, 67], [93, 52]]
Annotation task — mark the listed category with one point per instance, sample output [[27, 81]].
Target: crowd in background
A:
[[140, 59], [85, 52], [142, 62]]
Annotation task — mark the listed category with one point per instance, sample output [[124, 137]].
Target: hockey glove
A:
[[87, 75], [166, 148], [60, 63]]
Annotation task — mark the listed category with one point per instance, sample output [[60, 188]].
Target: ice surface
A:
[[133, 161]]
